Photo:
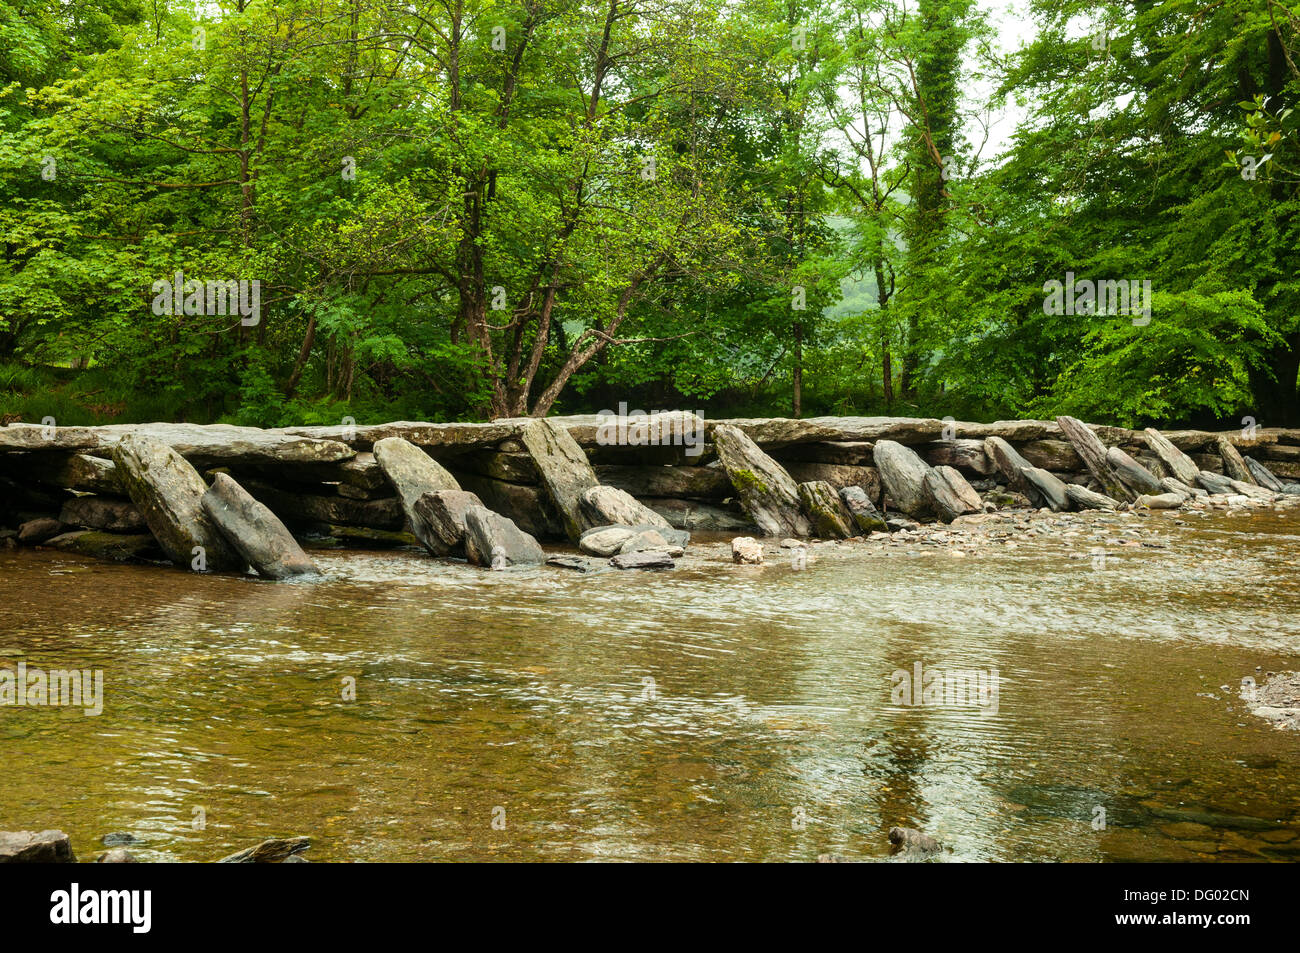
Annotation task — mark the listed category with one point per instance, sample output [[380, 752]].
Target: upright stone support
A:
[[564, 471], [767, 492]]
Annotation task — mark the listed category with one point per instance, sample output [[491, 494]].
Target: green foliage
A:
[[628, 203]]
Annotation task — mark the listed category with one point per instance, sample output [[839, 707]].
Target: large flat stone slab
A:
[[779, 431], [202, 444], [466, 436], [704, 483]]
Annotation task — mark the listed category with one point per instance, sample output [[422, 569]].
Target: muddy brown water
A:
[[714, 712]]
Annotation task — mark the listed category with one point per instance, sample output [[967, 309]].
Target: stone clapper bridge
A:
[[224, 498]]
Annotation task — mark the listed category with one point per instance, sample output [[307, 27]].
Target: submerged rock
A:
[[576, 563], [643, 559], [101, 545], [255, 531], [608, 540], [33, 847], [118, 855], [273, 851], [906, 838], [34, 532], [360, 537]]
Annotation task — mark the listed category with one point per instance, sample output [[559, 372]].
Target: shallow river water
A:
[[713, 712]]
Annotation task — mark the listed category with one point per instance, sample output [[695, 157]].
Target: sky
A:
[[1014, 29]]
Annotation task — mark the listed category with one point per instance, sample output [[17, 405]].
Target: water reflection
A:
[[715, 712]]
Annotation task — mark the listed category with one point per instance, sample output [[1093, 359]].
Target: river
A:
[[711, 712]]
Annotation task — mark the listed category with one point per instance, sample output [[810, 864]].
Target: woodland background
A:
[[479, 208]]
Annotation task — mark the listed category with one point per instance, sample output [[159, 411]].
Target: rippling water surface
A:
[[714, 712]]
